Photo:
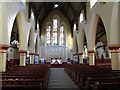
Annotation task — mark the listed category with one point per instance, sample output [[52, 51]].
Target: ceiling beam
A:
[[72, 9], [45, 7], [81, 7], [67, 9], [100, 35], [39, 10], [75, 15], [34, 9]]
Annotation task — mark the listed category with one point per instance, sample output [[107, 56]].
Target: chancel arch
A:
[[58, 30]]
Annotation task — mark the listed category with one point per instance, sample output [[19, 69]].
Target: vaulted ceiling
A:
[[71, 10]]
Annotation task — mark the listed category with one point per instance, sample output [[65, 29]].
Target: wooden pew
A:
[[111, 85], [80, 73], [32, 75], [89, 84]]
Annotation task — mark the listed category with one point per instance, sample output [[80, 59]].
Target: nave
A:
[[81, 37]]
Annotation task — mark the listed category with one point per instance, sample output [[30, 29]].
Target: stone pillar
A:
[[80, 58], [32, 57], [3, 57], [91, 57], [115, 56], [23, 55]]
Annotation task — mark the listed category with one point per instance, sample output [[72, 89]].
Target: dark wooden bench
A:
[[21, 87], [83, 78], [89, 83], [25, 77], [114, 85], [80, 74]]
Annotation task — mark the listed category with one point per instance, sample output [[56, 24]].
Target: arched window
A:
[[48, 35], [62, 28], [81, 17], [55, 28], [37, 26], [74, 28], [32, 15], [55, 32]]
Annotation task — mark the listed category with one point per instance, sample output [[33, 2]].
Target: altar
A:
[[56, 60]]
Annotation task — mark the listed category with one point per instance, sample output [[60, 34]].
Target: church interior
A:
[[59, 45]]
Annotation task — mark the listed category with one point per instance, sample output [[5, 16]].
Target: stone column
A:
[[91, 57], [32, 57], [3, 57], [80, 58], [115, 56], [23, 55]]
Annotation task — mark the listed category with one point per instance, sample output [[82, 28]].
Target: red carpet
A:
[[57, 66]]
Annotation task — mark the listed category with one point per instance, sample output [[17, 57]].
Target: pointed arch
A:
[[56, 21]]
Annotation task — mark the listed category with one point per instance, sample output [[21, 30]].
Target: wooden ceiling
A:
[[71, 10]]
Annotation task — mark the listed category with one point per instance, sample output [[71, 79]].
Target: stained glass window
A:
[[32, 15], [55, 35], [74, 28], [62, 35], [81, 17], [55, 31], [48, 35]]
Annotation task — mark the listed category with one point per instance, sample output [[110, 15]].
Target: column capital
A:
[[22, 51], [4, 47], [114, 47], [31, 53], [91, 51]]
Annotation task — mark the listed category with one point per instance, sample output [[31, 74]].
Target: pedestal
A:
[[23, 55], [115, 57], [3, 57], [32, 57], [91, 55], [80, 58]]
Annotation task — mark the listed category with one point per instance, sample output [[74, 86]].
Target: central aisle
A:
[[60, 80]]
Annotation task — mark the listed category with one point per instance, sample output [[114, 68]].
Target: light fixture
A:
[[56, 5]]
